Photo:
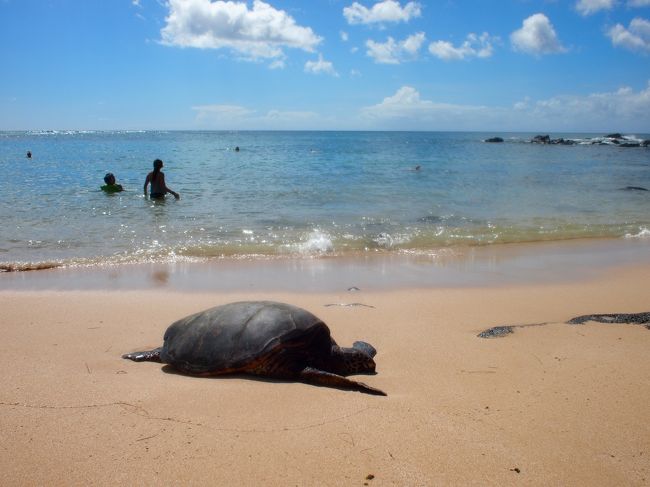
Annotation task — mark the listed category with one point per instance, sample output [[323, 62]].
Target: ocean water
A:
[[307, 194]]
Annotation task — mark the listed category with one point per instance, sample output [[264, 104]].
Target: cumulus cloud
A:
[[536, 36], [588, 7], [320, 67], [639, 3], [393, 52], [259, 32], [474, 46], [624, 109], [407, 110], [636, 37], [381, 12]]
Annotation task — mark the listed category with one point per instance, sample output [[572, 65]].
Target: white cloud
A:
[[277, 64], [636, 37], [234, 117], [621, 110], [406, 110], [344, 36], [638, 3], [536, 36], [261, 32], [320, 67], [588, 7], [384, 11], [392, 52], [474, 46]]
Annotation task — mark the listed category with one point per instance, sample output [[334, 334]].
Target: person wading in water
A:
[[157, 179]]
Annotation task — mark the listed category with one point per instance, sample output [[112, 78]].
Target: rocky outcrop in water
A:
[[494, 140], [546, 139], [616, 139], [541, 139]]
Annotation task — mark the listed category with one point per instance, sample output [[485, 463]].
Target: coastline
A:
[[554, 404], [471, 266]]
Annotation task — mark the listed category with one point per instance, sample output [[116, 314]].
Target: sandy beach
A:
[[556, 404]]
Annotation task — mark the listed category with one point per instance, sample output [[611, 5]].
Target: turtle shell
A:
[[259, 337]]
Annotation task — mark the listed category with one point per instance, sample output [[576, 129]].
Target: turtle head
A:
[[355, 360]]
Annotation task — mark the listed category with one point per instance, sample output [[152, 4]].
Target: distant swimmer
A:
[[418, 167], [29, 154], [110, 186], [237, 149], [157, 179]]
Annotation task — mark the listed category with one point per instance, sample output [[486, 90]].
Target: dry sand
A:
[[548, 405]]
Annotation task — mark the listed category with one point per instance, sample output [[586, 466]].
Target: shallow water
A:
[[307, 193]]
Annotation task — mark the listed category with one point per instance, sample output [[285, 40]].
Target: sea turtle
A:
[[262, 338]]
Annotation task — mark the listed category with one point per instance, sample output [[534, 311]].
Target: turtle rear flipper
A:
[[322, 378], [146, 356]]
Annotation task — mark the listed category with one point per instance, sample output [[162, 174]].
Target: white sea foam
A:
[[643, 233], [317, 243]]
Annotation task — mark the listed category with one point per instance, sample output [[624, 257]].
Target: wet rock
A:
[[496, 332], [626, 318], [494, 139], [564, 142], [541, 139]]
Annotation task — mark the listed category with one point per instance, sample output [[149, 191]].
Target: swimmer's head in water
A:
[[157, 164], [109, 178]]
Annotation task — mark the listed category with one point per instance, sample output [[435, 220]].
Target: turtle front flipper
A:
[[327, 379], [146, 356]]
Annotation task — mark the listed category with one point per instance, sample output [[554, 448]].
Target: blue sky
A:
[[529, 65]]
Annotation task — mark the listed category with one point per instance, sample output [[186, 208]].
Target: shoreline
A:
[[495, 265]]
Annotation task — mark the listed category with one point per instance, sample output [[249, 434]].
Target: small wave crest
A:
[[317, 243], [643, 233]]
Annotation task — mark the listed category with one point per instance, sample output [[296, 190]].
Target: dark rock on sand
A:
[[494, 139], [496, 332], [626, 318]]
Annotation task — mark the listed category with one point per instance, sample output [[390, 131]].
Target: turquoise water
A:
[[307, 193]]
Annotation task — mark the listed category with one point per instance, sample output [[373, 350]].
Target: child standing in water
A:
[[157, 180]]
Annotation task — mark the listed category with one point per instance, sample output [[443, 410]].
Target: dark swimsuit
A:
[[157, 195]]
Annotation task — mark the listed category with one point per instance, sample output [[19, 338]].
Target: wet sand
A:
[[556, 404], [494, 265]]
